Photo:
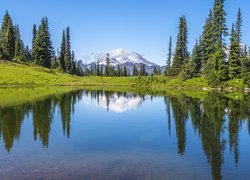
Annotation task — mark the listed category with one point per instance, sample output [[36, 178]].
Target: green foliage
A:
[[67, 55], [234, 56], [216, 69], [7, 38], [185, 73], [181, 52], [206, 44], [246, 71], [168, 64], [107, 67], [42, 51], [196, 61], [62, 52], [143, 70]]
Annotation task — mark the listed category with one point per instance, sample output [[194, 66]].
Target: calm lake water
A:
[[109, 135]]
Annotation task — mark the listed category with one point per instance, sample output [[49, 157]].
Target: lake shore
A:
[[19, 75]]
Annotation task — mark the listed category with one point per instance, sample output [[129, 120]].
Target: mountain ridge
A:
[[123, 58]]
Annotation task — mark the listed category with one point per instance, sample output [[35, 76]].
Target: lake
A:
[[97, 134]]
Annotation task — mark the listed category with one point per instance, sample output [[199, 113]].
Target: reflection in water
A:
[[215, 119], [210, 118]]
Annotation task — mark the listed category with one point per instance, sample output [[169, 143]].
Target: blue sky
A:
[[136, 25]]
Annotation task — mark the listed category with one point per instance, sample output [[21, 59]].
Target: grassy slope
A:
[[13, 74], [17, 74]]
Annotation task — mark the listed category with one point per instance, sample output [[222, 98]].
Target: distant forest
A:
[[210, 58]]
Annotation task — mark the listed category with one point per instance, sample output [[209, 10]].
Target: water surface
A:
[[112, 135]]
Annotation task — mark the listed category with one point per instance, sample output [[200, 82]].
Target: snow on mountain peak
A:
[[122, 56]]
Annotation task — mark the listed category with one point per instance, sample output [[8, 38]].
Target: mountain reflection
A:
[[217, 120], [116, 102]]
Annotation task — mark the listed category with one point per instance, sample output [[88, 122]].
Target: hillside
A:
[[14, 74], [18, 74]]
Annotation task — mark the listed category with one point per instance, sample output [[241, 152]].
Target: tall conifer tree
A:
[[181, 51]]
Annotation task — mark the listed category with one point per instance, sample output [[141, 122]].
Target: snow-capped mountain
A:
[[121, 57]]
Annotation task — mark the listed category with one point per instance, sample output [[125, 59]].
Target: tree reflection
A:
[[211, 117], [217, 120], [11, 119]]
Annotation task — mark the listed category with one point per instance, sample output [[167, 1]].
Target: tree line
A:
[[42, 53], [211, 57]]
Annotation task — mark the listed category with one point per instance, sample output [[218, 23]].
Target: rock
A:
[[247, 90], [205, 89]]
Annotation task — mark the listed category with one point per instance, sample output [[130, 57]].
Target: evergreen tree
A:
[[119, 70], [107, 67], [7, 38], [181, 52], [73, 63], [28, 55], [196, 61], [238, 27], [79, 69], [62, 52], [217, 68], [125, 72], [67, 55], [234, 56], [155, 71], [19, 46], [167, 72], [185, 73], [142, 70], [98, 68], [54, 60], [246, 71], [42, 53], [135, 71], [206, 44], [34, 32]]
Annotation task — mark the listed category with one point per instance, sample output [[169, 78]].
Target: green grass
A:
[[14, 74]]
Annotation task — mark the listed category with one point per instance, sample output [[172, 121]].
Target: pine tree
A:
[[238, 27], [196, 61], [62, 52], [206, 44], [42, 53], [155, 71], [107, 67], [98, 68], [74, 63], [67, 55], [181, 52], [216, 69], [167, 72], [143, 70], [234, 55], [246, 70], [28, 55], [125, 72], [135, 71], [7, 38], [34, 32], [119, 71], [19, 46], [185, 73]]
